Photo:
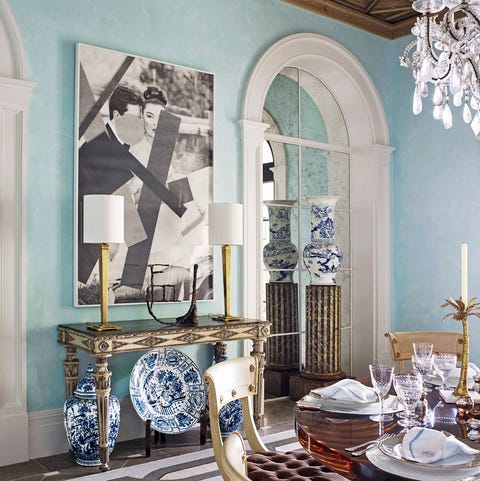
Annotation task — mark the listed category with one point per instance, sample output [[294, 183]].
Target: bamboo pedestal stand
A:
[[322, 341], [282, 351]]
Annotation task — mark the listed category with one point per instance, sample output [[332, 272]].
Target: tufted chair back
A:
[[238, 379]]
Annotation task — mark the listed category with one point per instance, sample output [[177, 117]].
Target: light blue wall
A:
[[434, 172], [435, 206]]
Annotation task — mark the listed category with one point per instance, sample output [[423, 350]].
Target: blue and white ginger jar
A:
[[81, 422], [280, 252], [322, 257]]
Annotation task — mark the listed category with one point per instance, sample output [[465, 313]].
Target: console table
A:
[[148, 334]]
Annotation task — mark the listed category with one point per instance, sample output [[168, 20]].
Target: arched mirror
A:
[[306, 153], [313, 124]]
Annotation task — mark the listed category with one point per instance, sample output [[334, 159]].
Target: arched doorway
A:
[[14, 99], [369, 152]]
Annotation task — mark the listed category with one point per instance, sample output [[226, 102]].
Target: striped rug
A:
[[195, 466]]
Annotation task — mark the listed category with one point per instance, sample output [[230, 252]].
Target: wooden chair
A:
[[238, 379], [402, 343]]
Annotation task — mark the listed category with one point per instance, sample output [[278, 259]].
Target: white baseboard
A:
[[47, 432], [13, 437]]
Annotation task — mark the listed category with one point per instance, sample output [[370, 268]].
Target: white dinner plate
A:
[[392, 448], [391, 405], [419, 473]]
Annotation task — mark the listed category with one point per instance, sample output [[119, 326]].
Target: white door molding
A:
[[365, 118], [14, 101]]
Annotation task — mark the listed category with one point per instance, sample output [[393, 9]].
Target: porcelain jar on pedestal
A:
[[280, 252], [322, 257], [81, 422]]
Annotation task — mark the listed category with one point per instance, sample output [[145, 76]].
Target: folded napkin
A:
[[425, 445], [473, 370], [346, 390]]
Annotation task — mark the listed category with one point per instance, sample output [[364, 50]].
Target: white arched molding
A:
[[253, 137], [12, 54], [362, 108], [14, 101]]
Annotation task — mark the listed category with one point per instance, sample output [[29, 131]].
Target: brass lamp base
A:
[[226, 318], [102, 327]]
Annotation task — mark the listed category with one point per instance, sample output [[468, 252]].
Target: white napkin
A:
[[425, 445], [473, 370], [346, 390]]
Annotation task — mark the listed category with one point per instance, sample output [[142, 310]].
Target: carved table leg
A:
[[70, 369], [258, 401], [102, 386]]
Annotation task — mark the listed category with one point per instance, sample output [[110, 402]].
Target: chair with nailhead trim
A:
[[238, 379], [402, 343]]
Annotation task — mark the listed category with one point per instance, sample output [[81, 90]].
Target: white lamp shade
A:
[[225, 224], [103, 219]]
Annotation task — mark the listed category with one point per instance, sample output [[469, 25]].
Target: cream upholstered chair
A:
[[235, 457], [238, 379], [402, 343]]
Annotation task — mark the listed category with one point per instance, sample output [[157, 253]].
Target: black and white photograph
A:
[[145, 132]]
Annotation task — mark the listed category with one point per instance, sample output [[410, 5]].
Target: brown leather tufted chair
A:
[[238, 379]]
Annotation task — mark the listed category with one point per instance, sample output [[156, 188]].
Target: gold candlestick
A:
[[461, 313]]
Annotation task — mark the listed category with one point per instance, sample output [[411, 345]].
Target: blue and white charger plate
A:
[[166, 388]]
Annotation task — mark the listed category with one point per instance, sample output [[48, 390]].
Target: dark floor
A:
[[278, 417]]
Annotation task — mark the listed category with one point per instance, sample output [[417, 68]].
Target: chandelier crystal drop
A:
[[446, 54]]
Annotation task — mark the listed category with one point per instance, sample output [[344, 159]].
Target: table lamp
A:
[[225, 228], [103, 223]]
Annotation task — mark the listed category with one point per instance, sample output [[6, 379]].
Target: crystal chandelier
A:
[[446, 54]]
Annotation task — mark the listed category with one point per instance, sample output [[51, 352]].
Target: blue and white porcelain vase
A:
[[322, 257], [280, 252], [81, 422]]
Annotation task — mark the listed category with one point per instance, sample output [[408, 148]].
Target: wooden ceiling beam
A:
[[371, 5], [328, 8]]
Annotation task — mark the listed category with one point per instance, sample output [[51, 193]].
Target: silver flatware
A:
[[369, 445], [366, 443]]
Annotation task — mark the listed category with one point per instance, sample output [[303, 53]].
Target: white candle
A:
[[464, 272]]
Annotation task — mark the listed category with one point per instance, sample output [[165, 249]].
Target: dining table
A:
[[326, 434]]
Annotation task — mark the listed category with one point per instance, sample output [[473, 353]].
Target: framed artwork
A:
[[144, 130]]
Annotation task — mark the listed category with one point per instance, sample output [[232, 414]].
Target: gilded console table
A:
[[148, 334]]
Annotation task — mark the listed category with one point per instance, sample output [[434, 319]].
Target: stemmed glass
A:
[[422, 349], [444, 364], [409, 389], [422, 366], [381, 375]]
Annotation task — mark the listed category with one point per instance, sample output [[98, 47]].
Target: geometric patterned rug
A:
[[197, 466]]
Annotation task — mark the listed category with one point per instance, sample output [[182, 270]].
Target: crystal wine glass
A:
[[444, 364], [422, 349], [381, 375], [422, 366], [409, 389]]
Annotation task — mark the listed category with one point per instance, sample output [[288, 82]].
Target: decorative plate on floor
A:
[[167, 388]]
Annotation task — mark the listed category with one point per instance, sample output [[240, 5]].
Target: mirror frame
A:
[[364, 115]]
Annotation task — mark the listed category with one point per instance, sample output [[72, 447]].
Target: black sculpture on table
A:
[[188, 319]]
